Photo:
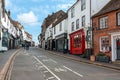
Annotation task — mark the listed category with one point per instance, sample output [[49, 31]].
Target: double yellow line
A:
[[5, 68]]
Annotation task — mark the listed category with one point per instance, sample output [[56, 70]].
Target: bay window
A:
[[104, 44]]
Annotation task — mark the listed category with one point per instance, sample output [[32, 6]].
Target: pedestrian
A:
[[27, 46], [45, 46]]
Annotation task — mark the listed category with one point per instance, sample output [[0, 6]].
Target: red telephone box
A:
[[77, 42]]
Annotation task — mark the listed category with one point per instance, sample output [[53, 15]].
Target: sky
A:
[[31, 13]]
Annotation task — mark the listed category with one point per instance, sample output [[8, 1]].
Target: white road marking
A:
[[50, 78], [46, 71], [73, 71], [40, 67], [42, 56], [53, 61], [60, 70], [46, 60], [47, 68]]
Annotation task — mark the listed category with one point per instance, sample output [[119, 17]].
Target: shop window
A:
[[104, 44], [118, 19], [103, 22], [77, 41]]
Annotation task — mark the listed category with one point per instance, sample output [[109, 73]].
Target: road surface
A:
[[38, 64]]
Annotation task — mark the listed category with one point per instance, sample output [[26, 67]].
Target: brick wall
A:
[[97, 33]]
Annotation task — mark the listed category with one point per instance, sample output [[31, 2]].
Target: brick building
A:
[[106, 30]]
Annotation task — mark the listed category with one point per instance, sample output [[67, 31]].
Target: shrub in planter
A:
[[102, 58]]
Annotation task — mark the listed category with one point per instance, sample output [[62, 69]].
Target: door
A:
[[118, 49]]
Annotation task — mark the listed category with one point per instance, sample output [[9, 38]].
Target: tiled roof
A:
[[64, 16], [16, 24], [111, 6]]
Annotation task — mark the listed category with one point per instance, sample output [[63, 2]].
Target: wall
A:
[[64, 28], [96, 5], [78, 15], [112, 28]]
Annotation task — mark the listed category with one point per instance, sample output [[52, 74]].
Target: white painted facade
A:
[[9, 25], [6, 22], [23, 33], [0, 39], [48, 32], [57, 28], [0, 26], [91, 8]]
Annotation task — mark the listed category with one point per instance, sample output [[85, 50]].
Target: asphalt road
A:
[[38, 64]]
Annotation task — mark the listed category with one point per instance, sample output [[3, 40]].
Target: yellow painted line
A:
[[7, 64]]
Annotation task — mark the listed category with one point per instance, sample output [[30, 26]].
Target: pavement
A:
[[111, 65], [4, 56]]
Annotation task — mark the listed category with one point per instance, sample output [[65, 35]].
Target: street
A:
[[38, 64]]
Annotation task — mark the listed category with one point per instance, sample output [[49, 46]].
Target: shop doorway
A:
[[118, 49]]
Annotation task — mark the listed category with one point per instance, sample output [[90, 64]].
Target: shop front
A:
[[48, 43], [77, 42], [62, 43], [0, 33], [5, 38], [115, 46], [11, 42]]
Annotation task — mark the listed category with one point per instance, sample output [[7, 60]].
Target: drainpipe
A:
[[90, 20], [91, 25]]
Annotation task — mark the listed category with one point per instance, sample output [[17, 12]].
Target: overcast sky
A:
[[31, 13]]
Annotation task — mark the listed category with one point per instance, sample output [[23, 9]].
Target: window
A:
[[72, 12], [54, 30], [72, 26], [5, 19], [118, 19], [104, 44], [83, 21], [83, 4], [7, 23], [103, 22], [77, 40], [60, 27], [77, 23]]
